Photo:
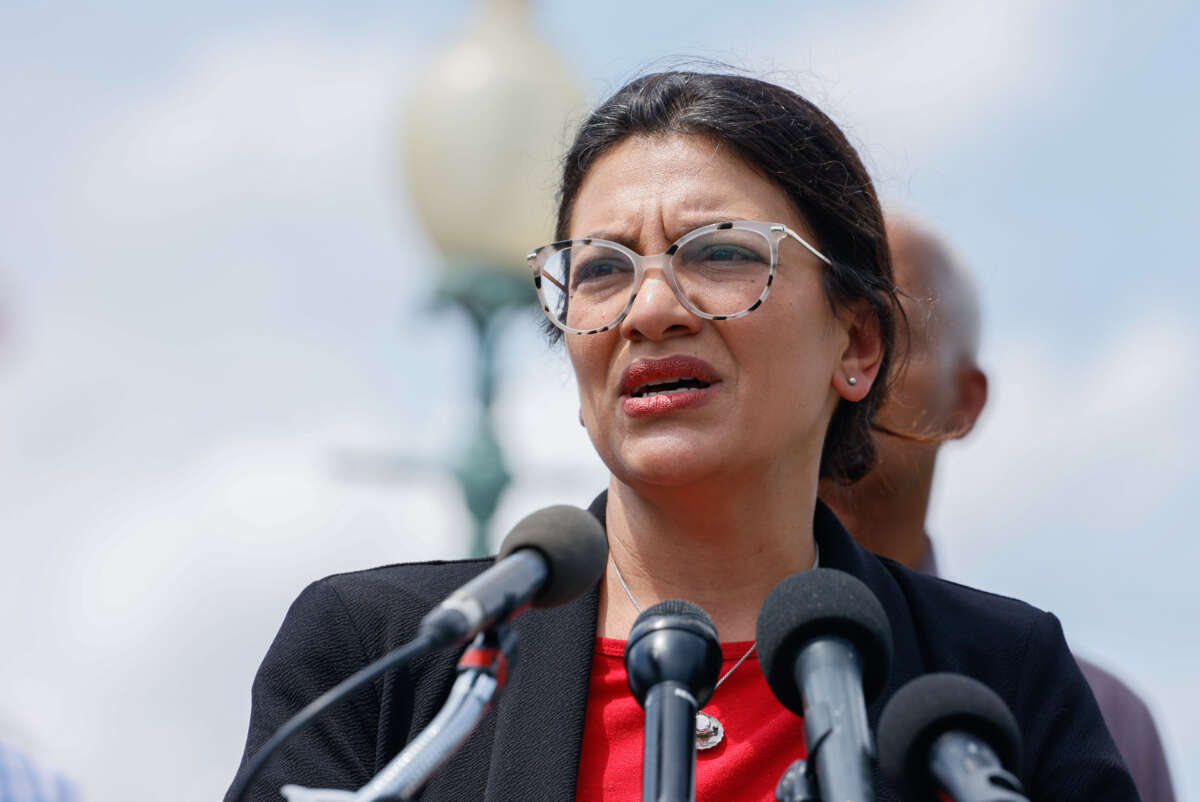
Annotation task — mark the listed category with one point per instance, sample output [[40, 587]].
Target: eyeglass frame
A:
[[537, 261]]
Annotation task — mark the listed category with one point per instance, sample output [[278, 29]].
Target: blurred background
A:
[[222, 370]]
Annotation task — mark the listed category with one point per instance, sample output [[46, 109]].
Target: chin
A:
[[667, 462]]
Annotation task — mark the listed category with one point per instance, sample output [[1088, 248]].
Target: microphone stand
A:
[[669, 754], [482, 672], [841, 750], [966, 768], [797, 784]]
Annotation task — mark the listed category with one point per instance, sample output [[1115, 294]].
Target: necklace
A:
[[709, 729]]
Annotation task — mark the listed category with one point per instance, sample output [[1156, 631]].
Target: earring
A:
[[852, 380]]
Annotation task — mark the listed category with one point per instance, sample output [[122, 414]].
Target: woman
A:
[[722, 284]]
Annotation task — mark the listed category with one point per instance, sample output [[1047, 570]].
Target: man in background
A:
[[938, 397]]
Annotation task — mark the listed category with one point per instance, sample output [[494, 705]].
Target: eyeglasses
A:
[[718, 272]]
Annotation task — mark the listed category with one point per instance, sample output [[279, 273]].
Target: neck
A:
[[723, 550], [886, 514]]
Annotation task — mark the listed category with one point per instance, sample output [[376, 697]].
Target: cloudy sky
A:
[[212, 283]]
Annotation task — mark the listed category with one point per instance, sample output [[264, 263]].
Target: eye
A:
[[597, 269], [728, 252]]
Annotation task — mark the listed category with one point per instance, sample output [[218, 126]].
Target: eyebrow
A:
[[628, 243], [700, 222]]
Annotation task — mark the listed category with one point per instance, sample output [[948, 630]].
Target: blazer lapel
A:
[[539, 719]]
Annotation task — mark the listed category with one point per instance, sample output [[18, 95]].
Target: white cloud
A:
[[175, 393], [270, 119], [1096, 438], [905, 80], [177, 587]]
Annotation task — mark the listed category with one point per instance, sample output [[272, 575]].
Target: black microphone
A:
[[946, 735], [672, 659], [825, 646], [550, 557]]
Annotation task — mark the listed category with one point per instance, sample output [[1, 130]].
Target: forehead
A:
[[673, 183]]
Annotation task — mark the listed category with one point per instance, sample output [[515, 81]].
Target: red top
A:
[[762, 737]]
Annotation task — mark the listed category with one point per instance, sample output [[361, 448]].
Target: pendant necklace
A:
[[709, 729]]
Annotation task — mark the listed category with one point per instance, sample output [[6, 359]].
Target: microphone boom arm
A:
[[483, 670]]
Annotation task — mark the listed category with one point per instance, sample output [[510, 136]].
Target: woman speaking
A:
[[722, 286]]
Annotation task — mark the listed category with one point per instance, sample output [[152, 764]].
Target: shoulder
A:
[[963, 628], [383, 605], [926, 589], [1021, 653], [420, 583], [344, 621]]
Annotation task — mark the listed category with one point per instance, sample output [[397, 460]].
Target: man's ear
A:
[[862, 356], [972, 384]]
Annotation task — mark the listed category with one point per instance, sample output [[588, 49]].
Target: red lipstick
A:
[[658, 386]]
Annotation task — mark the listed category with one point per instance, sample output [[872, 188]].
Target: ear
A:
[[972, 385], [862, 355]]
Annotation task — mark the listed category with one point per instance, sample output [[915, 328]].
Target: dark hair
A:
[[795, 145]]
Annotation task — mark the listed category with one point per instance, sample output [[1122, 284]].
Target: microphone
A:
[[949, 736], [550, 557], [825, 646], [672, 659]]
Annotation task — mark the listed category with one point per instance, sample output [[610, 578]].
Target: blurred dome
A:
[[485, 132]]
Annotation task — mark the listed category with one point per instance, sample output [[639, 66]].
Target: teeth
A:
[[669, 386]]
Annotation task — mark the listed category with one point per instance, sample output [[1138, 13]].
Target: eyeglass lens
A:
[[720, 273]]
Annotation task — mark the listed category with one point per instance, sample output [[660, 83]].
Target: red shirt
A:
[[762, 737]]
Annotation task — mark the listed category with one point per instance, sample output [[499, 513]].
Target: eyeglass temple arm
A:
[[552, 280], [807, 247]]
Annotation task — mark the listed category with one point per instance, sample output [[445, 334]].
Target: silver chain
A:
[[638, 607]]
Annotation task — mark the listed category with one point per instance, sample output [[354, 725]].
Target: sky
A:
[[212, 284]]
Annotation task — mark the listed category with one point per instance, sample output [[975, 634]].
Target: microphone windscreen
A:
[[930, 706], [573, 544], [818, 603], [678, 607]]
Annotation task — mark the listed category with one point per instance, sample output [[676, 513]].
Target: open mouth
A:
[[668, 386]]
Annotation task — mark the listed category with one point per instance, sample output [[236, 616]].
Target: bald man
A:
[[940, 396]]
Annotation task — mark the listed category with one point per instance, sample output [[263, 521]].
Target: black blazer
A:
[[527, 747]]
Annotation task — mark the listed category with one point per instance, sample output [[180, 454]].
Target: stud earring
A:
[[852, 380]]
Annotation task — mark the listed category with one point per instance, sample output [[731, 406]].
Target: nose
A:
[[657, 313]]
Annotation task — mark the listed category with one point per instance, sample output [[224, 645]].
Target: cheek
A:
[[590, 366], [806, 345], [794, 362]]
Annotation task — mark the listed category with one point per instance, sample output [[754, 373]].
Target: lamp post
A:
[[483, 136]]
